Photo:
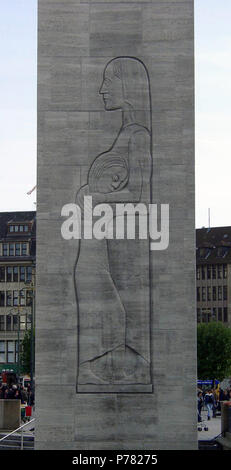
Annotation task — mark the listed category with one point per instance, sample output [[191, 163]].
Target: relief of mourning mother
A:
[[112, 276]]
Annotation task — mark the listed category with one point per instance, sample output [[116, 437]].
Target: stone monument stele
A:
[[115, 317]]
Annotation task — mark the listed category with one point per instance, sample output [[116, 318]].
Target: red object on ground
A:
[[28, 410], [4, 377]]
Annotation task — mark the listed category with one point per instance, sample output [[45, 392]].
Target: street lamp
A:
[[18, 312], [32, 297]]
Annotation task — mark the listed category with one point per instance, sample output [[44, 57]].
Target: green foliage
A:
[[213, 351], [25, 355]]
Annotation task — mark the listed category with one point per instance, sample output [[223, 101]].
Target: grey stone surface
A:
[[76, 41], [10, 414]]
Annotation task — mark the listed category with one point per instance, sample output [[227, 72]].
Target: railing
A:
[[22, 429]]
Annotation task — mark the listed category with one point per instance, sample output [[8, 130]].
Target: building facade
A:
[[213, 274], [17, 269]]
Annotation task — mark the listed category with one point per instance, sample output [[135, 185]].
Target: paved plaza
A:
[[214, 427]]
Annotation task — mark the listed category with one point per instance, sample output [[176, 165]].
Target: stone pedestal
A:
[[225, 417], [10, 414]]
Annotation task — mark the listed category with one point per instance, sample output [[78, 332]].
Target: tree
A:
[[25, 355], [213, 351]]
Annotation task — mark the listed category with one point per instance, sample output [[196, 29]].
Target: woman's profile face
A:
[[112, 90]]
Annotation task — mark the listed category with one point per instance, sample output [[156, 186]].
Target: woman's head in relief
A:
[[126, 86]]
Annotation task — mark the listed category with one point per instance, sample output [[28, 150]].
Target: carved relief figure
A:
[[112, 276]]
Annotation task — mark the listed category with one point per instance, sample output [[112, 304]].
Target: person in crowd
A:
[[209, 403], [17, 395], [225, 395], [14, 392], [11, 393], [24, 395], [199, 405], [31, 398], [221, 395], [215, 402]]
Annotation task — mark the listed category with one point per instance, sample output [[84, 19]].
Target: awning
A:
[[8, 367]]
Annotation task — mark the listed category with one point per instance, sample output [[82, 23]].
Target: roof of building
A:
[[20, 218], [213, 245], [15, 217]]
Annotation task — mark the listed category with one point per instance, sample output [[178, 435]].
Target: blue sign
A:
[[207, 382], [204, 382]]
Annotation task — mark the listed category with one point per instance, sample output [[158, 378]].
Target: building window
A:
[[29, 295], [18, 228], [225, 314], [9, 298], [198, 294], [10, 351], [15, 298], [220, 271], [5, 249], [8, 323], [2, 274], [2, 322], [11, 249], [198, 273], [224, 271], [29, 273], [224, 292], [22, 322], [203, 294], [2, 298], [214, 293], [22, 274], [28, 320], [22, 297], [2, 351], [9, 274], [209, 271], [17, 249], [203, 272], [208, 293], [24, 249], [198, 315], [16, 350], [15, 322], [219, 292], [214, 271], [15, 274]]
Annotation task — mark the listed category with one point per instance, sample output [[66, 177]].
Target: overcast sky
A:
[[18, 56]]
